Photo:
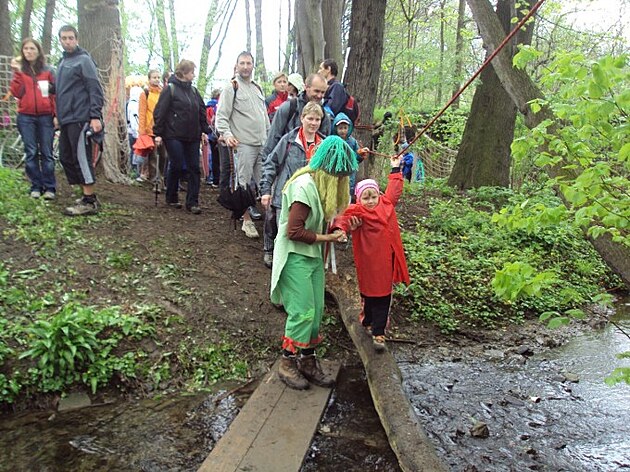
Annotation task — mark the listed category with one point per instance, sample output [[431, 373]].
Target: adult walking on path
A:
[[156, 162], [80, 114], [310, 199], [33, 83], [292, 152], [243, 123], [180, 123]]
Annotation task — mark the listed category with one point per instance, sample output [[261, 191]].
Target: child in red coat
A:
[[378, 251]]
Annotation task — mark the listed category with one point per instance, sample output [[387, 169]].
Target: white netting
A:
[[10, 147]]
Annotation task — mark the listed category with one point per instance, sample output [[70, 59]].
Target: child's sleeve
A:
[[395, 186]]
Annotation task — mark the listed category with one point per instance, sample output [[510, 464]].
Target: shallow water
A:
[[537, 419]]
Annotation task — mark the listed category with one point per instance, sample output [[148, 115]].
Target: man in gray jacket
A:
[[243, 123], [79, 114]]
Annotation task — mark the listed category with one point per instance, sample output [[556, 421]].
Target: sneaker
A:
[[249, 229], [176, 205], [82, 208], [254, 213], [35, 194], [49, 195], [195, 210], [290, 375], [139, 179], [268, 260], [312, 371], [379, 343]]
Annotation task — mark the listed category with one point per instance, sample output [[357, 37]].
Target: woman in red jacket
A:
[[378, 251], [33, 84]]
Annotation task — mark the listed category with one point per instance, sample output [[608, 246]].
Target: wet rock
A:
[[494, 354], [570, 377], [74, 401], [514, 401], [524, 350], [480, 430]]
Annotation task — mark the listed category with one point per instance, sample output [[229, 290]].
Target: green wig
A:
[[334, 157]]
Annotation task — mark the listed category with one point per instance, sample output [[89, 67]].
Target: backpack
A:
[[352, 109]]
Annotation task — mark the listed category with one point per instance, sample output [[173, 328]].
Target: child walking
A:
[[378, 251]]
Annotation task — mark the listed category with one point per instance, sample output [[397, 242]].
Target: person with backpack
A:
[[180, 123], [293, 151], [242, 123], [33, 84], [336, 97], [156, 161]]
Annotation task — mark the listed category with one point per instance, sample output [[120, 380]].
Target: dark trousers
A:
[[183, 154], [75, 154], [37, 135], [270, 228], [376, 311], [216, 162], [224, 166]]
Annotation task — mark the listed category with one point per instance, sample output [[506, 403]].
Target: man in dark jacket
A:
[[336, 96], [79, 114]]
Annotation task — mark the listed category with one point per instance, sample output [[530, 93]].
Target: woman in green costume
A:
[[310, 200]]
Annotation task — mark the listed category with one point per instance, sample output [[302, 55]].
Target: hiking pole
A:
[[156, 188]]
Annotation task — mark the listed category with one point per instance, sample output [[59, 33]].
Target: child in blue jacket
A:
[[343, 127]]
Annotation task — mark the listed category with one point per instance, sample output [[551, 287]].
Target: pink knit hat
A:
[[365, 184]]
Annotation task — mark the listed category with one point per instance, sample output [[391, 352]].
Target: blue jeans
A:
[[183, 155], [37, 135]]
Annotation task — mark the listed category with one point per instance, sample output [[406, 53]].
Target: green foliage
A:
[[458, 257], [589, 140]]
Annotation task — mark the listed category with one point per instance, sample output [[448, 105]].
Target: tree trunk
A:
[[309, 29], [165, 42], [248, 27], [100, 35], [26, 19], [459, 51], [6, 41], [290, 47], [367, 25], [261, 71], [484, 155], [202, 81], [174, 42], [47, 33], [522, 90], [332, 11], [438, 97], [405, 434]]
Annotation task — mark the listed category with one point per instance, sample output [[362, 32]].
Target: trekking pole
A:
[[156, 186]]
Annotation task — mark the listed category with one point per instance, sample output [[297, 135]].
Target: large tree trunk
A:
[[47, 28], [484, 156], [261, 71], [165, 41], [367, 25], [309, 29], [522, 90], [6, 41], [332, 12], [26, 19], [100, 35]]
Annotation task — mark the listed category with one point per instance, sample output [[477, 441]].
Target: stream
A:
[[547, 412]]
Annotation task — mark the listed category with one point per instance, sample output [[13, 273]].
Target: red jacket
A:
[[378, 251], [26, 90]]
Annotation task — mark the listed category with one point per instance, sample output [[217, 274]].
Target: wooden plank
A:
[[274, 429]]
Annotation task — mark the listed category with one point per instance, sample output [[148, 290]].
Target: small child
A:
[[378, 251], [407, 162], [342, 127]]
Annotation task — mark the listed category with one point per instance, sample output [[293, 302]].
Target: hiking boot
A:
[[82, 208], [310, 368], [379, 343], [290, 375], [195, 210], [254, 213], [35, 194], [268, 260], [49, 195], [176, 205], [249, 229]]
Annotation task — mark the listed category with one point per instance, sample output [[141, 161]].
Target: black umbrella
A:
[[235, 198]]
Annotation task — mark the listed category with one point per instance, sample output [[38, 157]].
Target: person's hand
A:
[[363, 152], [265, 200], [355, 222], [158, 141], [96, 125], [231, 142], [338, 236], [55, 122], [395, 162], [15, 65]]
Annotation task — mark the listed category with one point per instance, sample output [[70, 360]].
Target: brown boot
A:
[[311, 369], [290, 375]]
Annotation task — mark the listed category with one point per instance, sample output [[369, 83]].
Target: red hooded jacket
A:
[[378, 251], [25, 88]]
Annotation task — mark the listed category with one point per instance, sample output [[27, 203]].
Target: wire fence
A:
[[11, 150]]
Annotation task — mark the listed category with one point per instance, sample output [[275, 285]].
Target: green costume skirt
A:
[[301, 284]]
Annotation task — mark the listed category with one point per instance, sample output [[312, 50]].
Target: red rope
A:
[[475, 75]]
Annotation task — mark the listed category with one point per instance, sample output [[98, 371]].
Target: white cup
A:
[[43, 86]]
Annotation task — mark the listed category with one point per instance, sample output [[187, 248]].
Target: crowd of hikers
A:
[[293, 151]]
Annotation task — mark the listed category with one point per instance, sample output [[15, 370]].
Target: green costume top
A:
[[302, 190]]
